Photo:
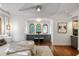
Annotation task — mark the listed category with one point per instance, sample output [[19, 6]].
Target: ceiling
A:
[[48, 9]]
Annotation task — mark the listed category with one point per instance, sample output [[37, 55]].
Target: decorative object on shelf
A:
[[62, 27], [45, 28], [75, 25], [2, 42], [31, 28], [38, 28]]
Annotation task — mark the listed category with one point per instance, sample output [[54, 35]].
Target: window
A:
[[38, 28], [31, 28], [45, 28]]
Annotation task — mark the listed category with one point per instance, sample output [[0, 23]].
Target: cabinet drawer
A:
[[74, 41]]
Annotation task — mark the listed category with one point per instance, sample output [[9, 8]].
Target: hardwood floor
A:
[[64, 51], [61, 50]]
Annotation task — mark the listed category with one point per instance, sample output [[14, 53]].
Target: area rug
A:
[[43, 51]]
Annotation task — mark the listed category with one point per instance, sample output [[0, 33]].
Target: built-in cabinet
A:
[[40, 37], [74, 37], [74, 41], [75, 27]]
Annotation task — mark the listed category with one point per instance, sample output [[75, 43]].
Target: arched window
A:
[[31, 28], [45, 28], [38, 28]]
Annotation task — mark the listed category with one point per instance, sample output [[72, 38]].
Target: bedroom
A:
[[22, 22]]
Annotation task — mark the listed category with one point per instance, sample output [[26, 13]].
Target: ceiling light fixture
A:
[[38, 8]]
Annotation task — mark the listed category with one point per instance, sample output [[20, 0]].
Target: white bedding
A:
[[14, 47], [4, 49], [20, 46]]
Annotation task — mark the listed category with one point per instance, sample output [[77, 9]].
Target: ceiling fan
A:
[[36, 7]]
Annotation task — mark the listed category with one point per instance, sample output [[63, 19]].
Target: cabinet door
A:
[[30, 37], [74, 41]]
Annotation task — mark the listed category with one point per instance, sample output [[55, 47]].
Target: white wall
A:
[[20, 24], [18, 28], [62, 38]]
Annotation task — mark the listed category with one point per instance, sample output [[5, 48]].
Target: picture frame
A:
[[62, 27]]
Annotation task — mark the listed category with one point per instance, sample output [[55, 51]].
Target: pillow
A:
[[2, 42], [9, 39]]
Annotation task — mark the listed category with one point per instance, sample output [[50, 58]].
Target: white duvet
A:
[[15, 47]]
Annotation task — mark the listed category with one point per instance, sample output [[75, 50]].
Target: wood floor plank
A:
[[64, 51], [61, 50]]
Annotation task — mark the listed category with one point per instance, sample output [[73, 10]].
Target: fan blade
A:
[[24, 9], [35, 6], [4, 11]]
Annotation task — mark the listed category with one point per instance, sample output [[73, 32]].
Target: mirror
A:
[[45, 28]]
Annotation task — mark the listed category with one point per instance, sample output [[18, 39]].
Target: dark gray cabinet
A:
[[74, 41], [39, 37]]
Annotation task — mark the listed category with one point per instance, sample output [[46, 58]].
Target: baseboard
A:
[[60, 44]]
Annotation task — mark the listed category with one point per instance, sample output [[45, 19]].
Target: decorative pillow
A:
[[2, 42]]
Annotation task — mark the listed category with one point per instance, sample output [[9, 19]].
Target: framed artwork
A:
[[45, 28], [31, 28], [62, 27], [38, 28]]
